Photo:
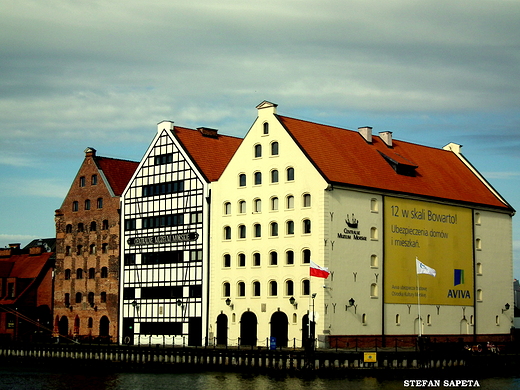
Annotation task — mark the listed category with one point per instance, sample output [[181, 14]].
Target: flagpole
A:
[[418, 300]]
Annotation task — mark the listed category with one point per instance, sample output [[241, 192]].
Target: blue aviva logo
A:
[[458, 277]]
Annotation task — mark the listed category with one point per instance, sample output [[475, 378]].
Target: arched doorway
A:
[[308, 334], [104, 326], [222, 329], [248, 328], [63, 326], [280, 328]]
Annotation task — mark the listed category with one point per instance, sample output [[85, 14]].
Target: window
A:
[[274, 229], [92, 249], [256, 259], [290, 174], [227, 208], [75, 205], [241, 289], [258, 230], [274, 176], [90, 322], [242, 207], [91, 273], [374, 292], [227, 233], [99, 203], [93, 226], [306, 287], [306, 226], [166, 257], [81, 227], [289, 287], [163, 159], [478, 220], [171, 187], [266, 128], [79, 297], [79, 273], [364, 319], [104, 248], [104, 272], [129, 293], [478, 244], [479, 268], [258, 205], [290, 227], [273, 288], [258, 150], [196, 217], [429, 319], [226, 289], [274, 148], [241, 231], [258, 178], [242, 180], [129, 259], [374, 261], [93, 180], [306, 200], [196, 255], [159, 221], [479, 295], [67, 299], [195, 291], [274, 203], [67, 274], [306, 256], [227, 260], [373, 233], [82, 181], [273, 258], [289, 202], [374, 206], [241, 260], [90, 298], [68, 228], [105, 225], [256, 288], [79, 249], [87, 204], [398, 319], [289, 257], [130, 224], [67, 250], [162, 292]]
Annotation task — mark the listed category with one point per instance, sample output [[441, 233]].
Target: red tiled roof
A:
[[210, 154], [117, 172], [343, 156]]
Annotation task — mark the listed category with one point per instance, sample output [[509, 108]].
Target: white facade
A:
[[164, 296]]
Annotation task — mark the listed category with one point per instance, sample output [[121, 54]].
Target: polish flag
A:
[[318, 271]]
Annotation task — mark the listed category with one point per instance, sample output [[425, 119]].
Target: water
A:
[[27, 379]]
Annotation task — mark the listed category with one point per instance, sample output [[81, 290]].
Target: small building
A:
[[26, 291], [165, 237], [87, 249]]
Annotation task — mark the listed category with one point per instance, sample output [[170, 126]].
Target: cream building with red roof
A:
[[368, 208]]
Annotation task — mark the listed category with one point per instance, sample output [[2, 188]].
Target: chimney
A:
[[366, 133], [14, 246], [208, 132], [165, 125], [90, 152], [35, 250], [453, 147], [266, 107], [386, 136]]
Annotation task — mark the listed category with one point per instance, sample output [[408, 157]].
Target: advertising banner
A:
[[440, 237]]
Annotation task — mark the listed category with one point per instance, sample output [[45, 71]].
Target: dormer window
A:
[[399, 164]]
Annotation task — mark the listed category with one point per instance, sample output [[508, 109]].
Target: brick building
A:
[[87, 249], [26, 291]]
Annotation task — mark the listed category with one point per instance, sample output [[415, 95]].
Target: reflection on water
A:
[[82, 380]]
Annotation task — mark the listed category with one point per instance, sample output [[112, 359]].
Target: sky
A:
[[77, 74]]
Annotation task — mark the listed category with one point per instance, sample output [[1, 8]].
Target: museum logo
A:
[[351, 232]]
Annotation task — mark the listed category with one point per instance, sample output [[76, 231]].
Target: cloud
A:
[[36, 187]]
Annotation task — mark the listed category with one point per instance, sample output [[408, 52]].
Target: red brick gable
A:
[[117, 172], [344, 156], [211, 154]]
